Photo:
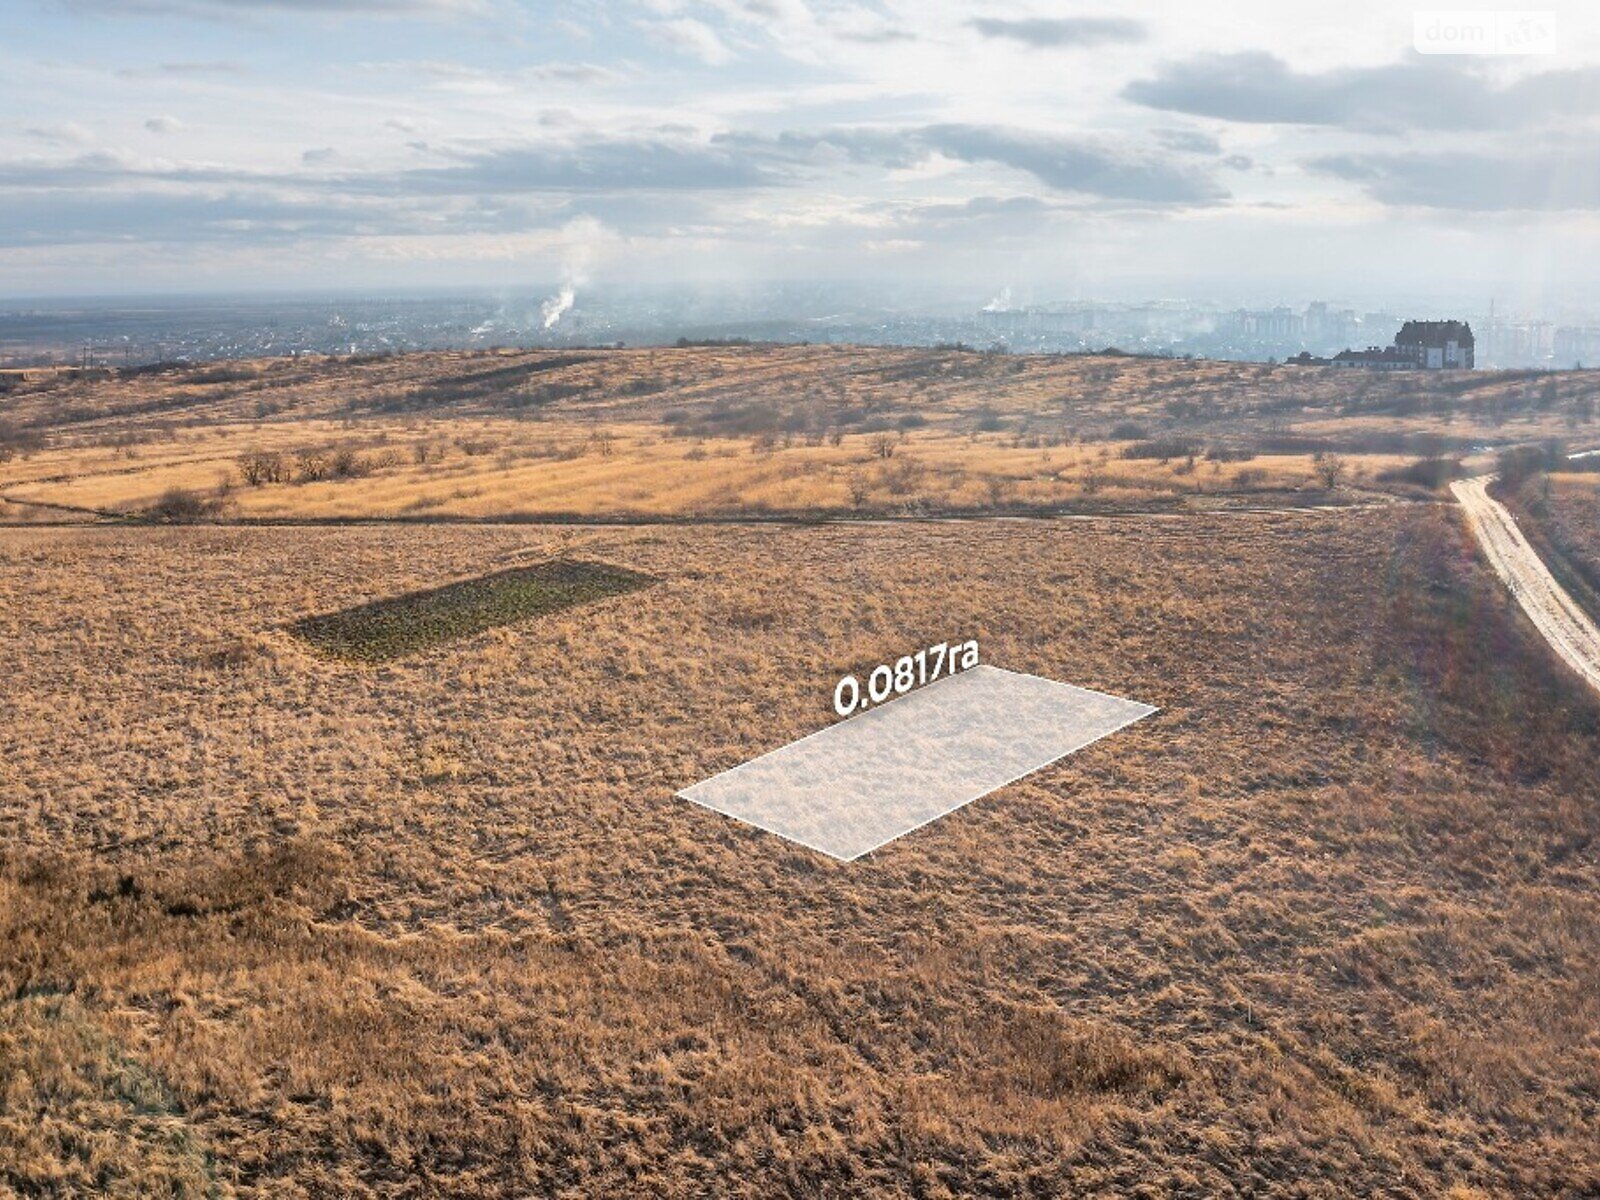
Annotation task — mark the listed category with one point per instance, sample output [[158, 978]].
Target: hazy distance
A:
[[1272, 154]]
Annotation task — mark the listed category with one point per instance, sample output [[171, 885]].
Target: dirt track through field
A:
[[1553, 611]]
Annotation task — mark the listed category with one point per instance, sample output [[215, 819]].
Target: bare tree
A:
[[1330, 469], [258, 467]]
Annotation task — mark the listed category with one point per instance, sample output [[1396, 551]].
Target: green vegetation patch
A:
[[417, 621]]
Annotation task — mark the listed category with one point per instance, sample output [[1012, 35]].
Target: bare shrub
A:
[[260, 467], [1162, 449], [860, 489], [345, 463], [179, 505], [903, 476], [16, 441], [1519, 462], [1431, 473], [1330, 470], [312, 466]]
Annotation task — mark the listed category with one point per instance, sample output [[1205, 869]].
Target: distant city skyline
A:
[[1056, 150], [140, 330]]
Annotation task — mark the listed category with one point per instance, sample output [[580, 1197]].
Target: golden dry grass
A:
[[271, 925], [1329, 924], [558, 469], [751, 430], [1560, 515]]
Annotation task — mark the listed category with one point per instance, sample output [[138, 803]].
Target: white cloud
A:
[[689, 36], [751, 130], [215, 9], [67, 133]]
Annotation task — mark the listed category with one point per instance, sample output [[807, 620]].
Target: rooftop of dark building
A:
[[1434, 333]]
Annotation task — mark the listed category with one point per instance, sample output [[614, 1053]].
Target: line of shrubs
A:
[[1517, 463], [260, 467]]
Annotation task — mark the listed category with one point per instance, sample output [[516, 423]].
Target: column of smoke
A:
[[552, 309], [581, 240]]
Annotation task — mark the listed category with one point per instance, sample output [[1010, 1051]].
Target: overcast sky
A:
[[1060, 150]]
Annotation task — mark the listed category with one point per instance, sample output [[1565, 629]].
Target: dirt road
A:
[[1564, 625]]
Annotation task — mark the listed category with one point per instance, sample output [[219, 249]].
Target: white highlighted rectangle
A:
[[864, 782], [1484, 31]]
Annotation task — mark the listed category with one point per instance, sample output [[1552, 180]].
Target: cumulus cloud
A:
[[1005, 214], [876, 34], [472, 78], [600, 165], [763, 11], [1538, 179], [1073, 165], [78, 217], [180, 70], [1052, 32], [987, 206], [1422, 93], [582, 167], [1188, 141], [573, 72], [163, 124], [224, 9], [68, 133], [694, 38], [1065, 164]]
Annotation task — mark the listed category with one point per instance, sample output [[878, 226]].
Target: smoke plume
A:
[[553, 309]]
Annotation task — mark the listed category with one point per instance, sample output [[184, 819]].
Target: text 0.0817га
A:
[[909, 671]]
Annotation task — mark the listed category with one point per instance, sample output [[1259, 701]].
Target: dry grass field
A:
[[1559, 512], [744, 430], [271, 925], [274, 923]]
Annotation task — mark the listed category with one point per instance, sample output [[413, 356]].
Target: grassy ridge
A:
[[418, 621], [732, 431]]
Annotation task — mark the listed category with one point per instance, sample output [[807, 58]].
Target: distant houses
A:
[[1437, 345], [1390, 358], [1419, 346]]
